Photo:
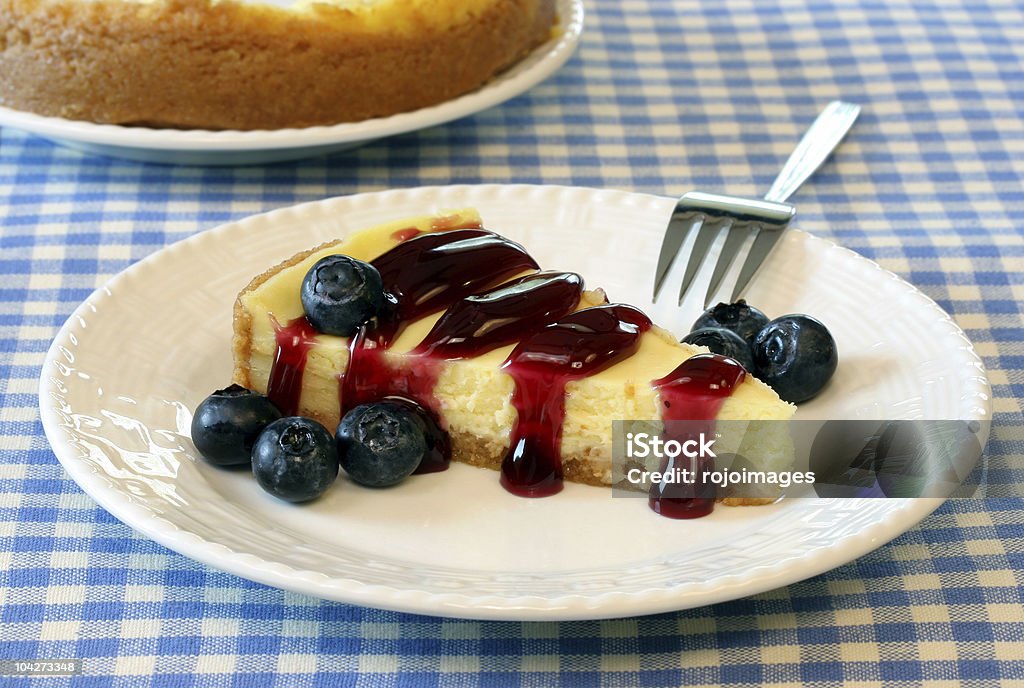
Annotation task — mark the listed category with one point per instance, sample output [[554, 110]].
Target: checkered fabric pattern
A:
[[663, 96]]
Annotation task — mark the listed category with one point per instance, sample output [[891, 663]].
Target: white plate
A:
[[202, 147], [125, 370]]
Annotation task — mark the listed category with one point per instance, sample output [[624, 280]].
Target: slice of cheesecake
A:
[[506, 356]]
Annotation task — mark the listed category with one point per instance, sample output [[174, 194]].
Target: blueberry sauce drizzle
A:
[[502, 316], [579, 345], [463, 272], [430, 272], [294, 341], [694, 391]]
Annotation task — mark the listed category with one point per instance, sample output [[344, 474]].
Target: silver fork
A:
[[708, 214]]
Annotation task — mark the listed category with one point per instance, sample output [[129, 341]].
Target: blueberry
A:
[[724, 342], [295, 459], [382, 443], [796, 356], [740, 317], [340, 293], [226, 424]]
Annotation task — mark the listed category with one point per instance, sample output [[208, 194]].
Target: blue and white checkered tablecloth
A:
[[663, 96]]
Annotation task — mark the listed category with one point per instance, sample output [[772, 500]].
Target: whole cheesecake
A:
[[512, 360], [244, 64]]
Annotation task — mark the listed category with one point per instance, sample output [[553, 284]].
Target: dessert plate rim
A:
[[889, 518], [230, 147]]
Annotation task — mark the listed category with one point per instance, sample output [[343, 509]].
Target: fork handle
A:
[[814, 148]]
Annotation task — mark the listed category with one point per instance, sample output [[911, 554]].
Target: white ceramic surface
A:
[[201, 147], [123, 373]]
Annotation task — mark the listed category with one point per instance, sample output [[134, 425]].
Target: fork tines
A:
[[708, 214]]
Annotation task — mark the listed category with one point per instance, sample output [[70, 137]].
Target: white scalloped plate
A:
[[202, 147], [125, 370]]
